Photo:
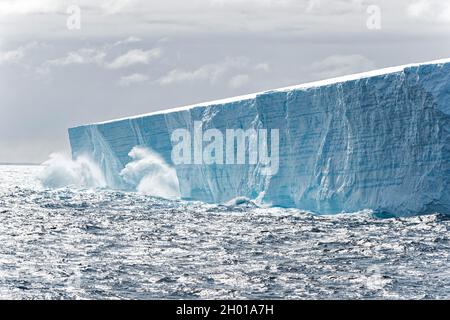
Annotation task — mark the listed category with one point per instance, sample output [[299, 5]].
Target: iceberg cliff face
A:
[[379, 140]]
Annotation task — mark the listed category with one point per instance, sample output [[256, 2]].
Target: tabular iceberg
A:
[[378, 140]]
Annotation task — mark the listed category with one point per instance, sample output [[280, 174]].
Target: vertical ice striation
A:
[[379, 140]]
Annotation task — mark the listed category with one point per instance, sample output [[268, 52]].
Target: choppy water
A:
[[70, 243]]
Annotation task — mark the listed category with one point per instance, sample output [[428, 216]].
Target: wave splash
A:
[[149, 174], [146, 173], [61, 171]]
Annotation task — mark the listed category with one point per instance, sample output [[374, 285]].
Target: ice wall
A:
[[378, 140]]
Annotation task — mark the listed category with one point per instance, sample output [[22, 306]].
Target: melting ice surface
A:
[[78, 242]]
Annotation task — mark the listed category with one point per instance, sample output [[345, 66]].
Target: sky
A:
[[67, 63]]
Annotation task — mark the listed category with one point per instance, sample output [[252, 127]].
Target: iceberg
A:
[[378, 140]]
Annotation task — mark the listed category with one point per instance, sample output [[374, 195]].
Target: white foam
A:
[[149, 174], [61, 171]]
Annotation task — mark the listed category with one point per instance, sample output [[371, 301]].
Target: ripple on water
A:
[[80, 244]]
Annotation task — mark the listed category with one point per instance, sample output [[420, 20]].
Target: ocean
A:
[[96, 243]]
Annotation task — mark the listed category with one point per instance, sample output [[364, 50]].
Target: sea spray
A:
[[61, 171], [149, 174]]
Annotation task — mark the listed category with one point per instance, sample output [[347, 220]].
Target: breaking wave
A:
[[241, 201], [149, 174], [61, 171]]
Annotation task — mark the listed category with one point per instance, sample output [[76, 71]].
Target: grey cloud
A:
[[100, 18], [130, 39], [135, 56], [97, 56], [134, 78], [18, 54], [430, 10], [12, 55], [81, 56], [212, 72], [239, 80], [340, 65], [204, 43]]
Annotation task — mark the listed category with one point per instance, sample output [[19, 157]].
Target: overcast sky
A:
[[137, 56]]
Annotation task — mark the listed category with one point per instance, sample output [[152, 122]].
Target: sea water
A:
[[74, 242]]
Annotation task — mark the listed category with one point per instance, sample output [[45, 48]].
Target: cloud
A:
[[208, 72], [264, 3], [136, 56], [308, 18], [112, 7], [12, 56], [118, 6], [340, 65], [126, 81], [430, 10], [98, 56], [23, 7], [262, 67], [336, 7], [239, 81], [79, 57], [180, 16], [128, 40], [18, 54]]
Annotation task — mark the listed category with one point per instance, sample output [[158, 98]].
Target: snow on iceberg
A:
[[377, 140]]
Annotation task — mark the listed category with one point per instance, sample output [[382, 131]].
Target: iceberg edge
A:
[[378, 140]]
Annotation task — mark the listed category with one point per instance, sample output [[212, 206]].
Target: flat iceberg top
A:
[[377, 140], [356, 76]]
